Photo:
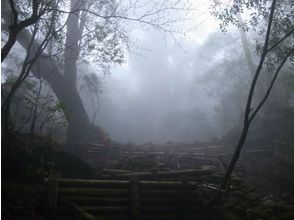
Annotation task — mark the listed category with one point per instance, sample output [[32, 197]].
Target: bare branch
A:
[[271, 84], [16, 26], [248, 105], [142, 19], [281, 40], [259, 67], [14, 12]]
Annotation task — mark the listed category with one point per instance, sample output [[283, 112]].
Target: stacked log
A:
[[191, 174]]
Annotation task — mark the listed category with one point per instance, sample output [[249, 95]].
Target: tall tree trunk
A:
[[71, 56], [66, 92], [79, 130], [250, 113], [73, 36]]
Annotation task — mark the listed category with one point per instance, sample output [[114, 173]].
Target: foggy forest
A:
[[147, 109]]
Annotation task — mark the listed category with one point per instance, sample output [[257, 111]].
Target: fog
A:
[[186, 86], [169, 92], [179, 87]]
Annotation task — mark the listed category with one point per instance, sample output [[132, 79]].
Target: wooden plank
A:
[[160, 217], [96, 210], [93, 183], [87, 201], [111, 210], [185, 201], [52, 184], [158, 193], [163, 184], [197, 172], [135, 198], [160, 210], [158, 201], [114, 217], [116, 171], [91, 192]]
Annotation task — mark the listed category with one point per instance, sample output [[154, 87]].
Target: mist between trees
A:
[[146, 71], [161, 82]]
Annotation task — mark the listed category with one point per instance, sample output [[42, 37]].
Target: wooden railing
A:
[[121, 199], [176, 175]]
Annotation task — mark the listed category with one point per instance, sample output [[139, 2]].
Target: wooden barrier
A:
[[135, 198], [120, 199], [52, 197]]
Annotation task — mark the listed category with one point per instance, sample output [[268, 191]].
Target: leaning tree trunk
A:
[[71, 56], [79, 130], [79, 126]]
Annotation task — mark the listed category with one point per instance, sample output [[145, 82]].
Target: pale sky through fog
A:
[[202, 26], [142, 94]]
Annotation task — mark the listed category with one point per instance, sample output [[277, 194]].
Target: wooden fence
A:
[[175, 175], [131, 199]]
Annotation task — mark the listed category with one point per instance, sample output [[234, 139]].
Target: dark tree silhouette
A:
[[251, 112]]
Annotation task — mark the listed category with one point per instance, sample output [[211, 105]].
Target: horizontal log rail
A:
[[120, 199]]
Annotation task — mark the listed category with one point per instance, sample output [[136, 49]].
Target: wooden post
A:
[[135, 198], [52, 197], [186, 201]]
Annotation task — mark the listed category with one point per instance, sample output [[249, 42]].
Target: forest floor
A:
[[24, 199]]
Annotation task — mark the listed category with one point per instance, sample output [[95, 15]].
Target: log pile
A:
[[167, 157], [191, 174]]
